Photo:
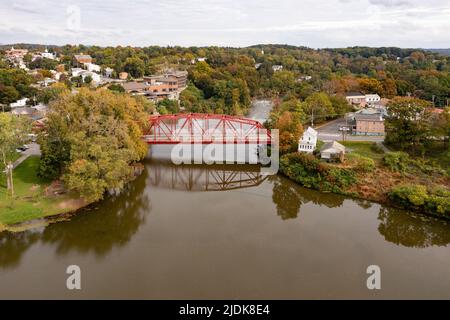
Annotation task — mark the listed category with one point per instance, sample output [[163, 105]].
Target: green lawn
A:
[[29, 202], [363, 148]]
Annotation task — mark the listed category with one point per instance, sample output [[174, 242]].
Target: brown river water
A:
[[228, 232]]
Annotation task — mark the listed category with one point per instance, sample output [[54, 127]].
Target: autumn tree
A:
[[290, 130], [319, 107], [91, 138], [408, 123], [13, 133], [371, 85]]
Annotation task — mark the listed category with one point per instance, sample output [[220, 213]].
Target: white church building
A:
[[308, 141]]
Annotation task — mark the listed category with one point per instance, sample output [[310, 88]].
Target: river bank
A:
[[38, 202], [35, 199], [368, 173]]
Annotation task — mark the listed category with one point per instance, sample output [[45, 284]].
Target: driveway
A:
[[34, 150], [330, 131]]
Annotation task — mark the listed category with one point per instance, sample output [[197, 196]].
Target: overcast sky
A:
[[312, 23]]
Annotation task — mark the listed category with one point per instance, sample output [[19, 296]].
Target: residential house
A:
[[332, 150], [15, 55], [109, 72], [80, 59], [308, 141], [76, 72], [19, 103], [48, 55], [372, 99], [92, 67], [46, 82], [96, 78], [304, 78], [277, 67], [356, 98]]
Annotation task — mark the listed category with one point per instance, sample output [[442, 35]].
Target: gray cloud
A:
[[314, 23], [390, 3]]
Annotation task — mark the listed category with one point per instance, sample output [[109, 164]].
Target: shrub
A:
[[310, 172], [361, 163], [408, 195], [396, 161], [435, 201], [377, 148]]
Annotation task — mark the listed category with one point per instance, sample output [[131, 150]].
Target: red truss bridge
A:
[[199, 128]]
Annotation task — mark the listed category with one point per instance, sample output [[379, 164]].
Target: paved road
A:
[[34, 150], [330, 131], [260, 110]]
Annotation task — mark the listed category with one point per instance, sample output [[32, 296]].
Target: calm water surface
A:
[[228, 232]]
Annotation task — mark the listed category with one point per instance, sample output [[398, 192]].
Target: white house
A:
[[372, 99], [92, 67], [48, 55], [96, 78], [308, 141], [304, 78], [332, 150], [277, 67], [76, 72], [19, 103], [46, 82], [109, 72]]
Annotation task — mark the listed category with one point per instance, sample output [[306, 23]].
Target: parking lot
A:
[[330, 131]]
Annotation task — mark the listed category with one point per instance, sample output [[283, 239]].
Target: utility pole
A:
[[312, 118], [9, 178]]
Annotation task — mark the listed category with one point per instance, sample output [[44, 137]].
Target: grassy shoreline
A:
[[33, 199]]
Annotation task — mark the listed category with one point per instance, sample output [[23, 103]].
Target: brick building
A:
[[368, 124]]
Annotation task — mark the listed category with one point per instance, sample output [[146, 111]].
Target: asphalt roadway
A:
[[330, 131]]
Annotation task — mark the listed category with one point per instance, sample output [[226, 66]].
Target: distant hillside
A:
[[445, 52]]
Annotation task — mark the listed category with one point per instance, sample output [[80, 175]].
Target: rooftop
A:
[[354, 94], [333, 145], [368, 117], [130, 86]]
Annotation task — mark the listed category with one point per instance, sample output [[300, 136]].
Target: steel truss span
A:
[[198, 128]]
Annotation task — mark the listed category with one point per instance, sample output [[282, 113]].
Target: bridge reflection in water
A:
[[165, 174]]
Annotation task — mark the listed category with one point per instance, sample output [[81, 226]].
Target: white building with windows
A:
[[19, 103], [372, 99], [308, 141], [92, 67], [277, 67], [48, 55]]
